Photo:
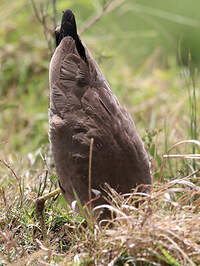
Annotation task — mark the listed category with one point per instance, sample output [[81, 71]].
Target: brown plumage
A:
[[82, 106]]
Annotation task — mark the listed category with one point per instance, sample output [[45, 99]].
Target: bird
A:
[[84, 108]]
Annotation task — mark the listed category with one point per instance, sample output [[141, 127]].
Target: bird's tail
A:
[[68, 25], [68, 28]]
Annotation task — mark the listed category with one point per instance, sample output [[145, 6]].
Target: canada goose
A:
[[82, 106]]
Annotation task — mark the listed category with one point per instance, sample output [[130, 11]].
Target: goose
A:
[[84, 108]]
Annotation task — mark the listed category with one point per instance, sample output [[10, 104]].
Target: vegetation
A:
[[149, 52]]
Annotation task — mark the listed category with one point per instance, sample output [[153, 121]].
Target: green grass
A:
[[163, 97]]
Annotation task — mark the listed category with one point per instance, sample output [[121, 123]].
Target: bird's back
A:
[[82, 106]]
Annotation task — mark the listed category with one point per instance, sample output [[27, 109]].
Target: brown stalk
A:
[[15, 175], [90, 170], [106, 9]]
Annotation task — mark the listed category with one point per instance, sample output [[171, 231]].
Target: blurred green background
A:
[[148, 51]]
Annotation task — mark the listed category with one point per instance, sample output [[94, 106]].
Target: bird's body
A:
[[82, 106]]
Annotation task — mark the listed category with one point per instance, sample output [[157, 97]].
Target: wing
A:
[[69, 78], [82, 106]]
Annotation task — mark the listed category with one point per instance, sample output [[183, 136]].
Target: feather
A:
[[82, 106]]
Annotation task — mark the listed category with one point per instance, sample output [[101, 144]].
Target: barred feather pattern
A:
[[82, 106]]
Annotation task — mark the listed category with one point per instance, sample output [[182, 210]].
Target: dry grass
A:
[[163, 230], [159, 228]]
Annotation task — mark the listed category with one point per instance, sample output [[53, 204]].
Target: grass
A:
[[162, 228]]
